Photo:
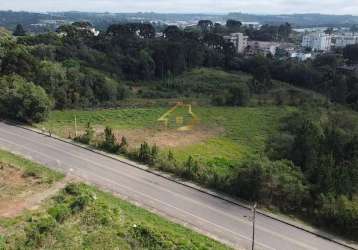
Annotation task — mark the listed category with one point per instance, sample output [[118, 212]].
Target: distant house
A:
[[253, 25], [239, 40], [350, 69], [301, 56], [259, 47], [62, 32]]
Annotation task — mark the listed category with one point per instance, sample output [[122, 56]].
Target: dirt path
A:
[[31, 202]]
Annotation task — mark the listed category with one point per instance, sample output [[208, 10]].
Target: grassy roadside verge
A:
[[30, 168]]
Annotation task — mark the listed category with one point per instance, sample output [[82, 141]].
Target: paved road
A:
[[221, 219]]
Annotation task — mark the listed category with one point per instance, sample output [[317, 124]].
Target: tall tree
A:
[[19, 30], [205, 25], [233, 25]]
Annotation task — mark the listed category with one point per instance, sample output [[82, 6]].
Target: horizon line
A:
[[173, 13]]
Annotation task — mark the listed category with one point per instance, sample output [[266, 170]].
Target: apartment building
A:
[[317, 41], [239, 40], [342, 40]]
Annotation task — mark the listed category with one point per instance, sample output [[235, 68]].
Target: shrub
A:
[[144, 154], [59, 212], [167, 165], [80, 203], [147, 238], [110, 142], [72, 189], [99, 214], [190, 168], [87, 137], [154, 154], [238, 95], [123, 145], [37, 230]]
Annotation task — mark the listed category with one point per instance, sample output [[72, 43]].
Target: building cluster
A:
[[342, 40], [250, 48], [322, 42], [312, 44]]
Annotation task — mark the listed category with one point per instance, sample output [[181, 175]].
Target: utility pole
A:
[[75, 126], [253, 225]]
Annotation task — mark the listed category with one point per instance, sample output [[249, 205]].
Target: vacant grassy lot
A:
[[222, 132]]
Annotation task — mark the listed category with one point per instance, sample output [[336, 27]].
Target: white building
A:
[[343, 40], [254, 25], [239, 40], [317, 41], [301, 56]]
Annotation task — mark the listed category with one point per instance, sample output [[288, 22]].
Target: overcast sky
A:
[[208, 6]]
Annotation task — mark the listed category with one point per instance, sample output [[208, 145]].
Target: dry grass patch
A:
[[168, 138]]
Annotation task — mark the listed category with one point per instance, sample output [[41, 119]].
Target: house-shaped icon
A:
[[182, 121]]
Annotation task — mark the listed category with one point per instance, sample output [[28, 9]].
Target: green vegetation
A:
[[310, 163], [245, 130], [81, 217], [323, 147], [30, 168], [22, 101]]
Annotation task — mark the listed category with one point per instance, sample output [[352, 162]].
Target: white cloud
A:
[[249, 6]]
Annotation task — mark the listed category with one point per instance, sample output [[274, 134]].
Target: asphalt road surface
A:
[[222, 220]]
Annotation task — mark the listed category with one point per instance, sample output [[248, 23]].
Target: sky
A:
[[188, 6]]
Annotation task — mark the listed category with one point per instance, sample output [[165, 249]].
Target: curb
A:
[[195, 187]]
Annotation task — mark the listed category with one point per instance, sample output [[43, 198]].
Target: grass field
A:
[[82, 217], [223, 132]]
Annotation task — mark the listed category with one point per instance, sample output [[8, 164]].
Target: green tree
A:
[[239, 95], [19, 31], [23, 101], [19, 60], [205, 25], [233, 25]]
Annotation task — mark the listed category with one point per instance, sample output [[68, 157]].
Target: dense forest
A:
[[310, 167]]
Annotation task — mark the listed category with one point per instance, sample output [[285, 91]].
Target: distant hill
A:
[[299, 20], [39, 22]]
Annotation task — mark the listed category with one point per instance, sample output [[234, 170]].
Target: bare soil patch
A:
[[13, 183], [168, 137], [19, 192]]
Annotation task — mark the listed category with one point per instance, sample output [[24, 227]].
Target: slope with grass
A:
[[82, 217]]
